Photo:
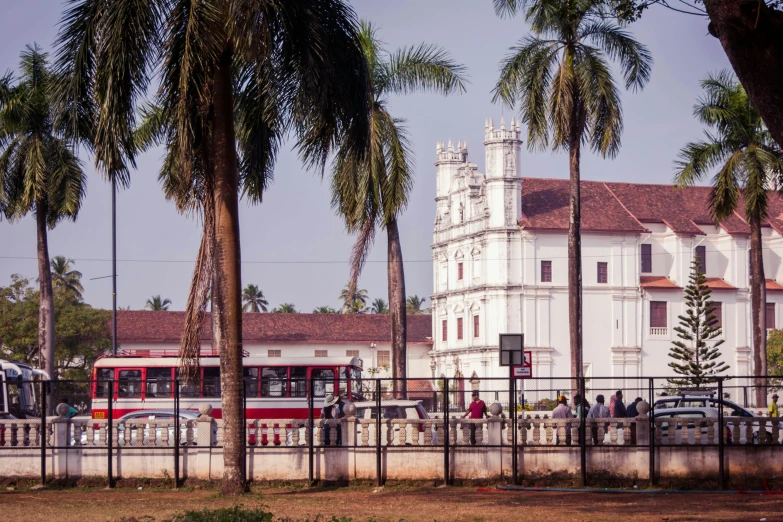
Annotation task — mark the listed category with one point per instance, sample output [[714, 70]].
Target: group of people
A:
[[599, 410]]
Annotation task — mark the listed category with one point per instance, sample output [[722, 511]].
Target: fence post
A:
[[512, 407], [42, 433], [244, 432], [446, 430], [312, 430], [721, 436], [176, 433], [582, 433], [110, 415], [378, 470], [651, 414]]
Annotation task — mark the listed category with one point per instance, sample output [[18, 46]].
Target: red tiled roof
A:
[[717, 283], [773, 286], [545, 207], [657, 282], [626, 207], [420, 389], [166, 327]]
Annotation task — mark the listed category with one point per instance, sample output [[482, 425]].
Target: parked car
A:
[[132, 420], [394, 409], [666, 414], [707, 399]]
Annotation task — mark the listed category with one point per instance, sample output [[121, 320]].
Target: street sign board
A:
[[511, 346], [526, 368]]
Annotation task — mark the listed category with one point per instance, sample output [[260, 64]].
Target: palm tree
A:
[[370, 186], [39, 173], [236, 77], [563, 83], [254, 299], [354, 300], [157, 304], [379, 306], [325, 310], [413, 305], [285, 308], [66, 280], [748, 164]]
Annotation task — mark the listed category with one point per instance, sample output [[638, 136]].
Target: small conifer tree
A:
[[696, 353]]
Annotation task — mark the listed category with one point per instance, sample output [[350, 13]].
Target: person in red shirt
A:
[[477, 409]]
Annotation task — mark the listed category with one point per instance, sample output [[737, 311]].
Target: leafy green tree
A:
[[325, 310], [696, 354], [371, 183], [775, 358], [285, 308], [354, 300], [563, 84], [414, 304], [254, 299], [379, 306], [64, 279], [747, 165], [39, 173], [82, 331], [236, 77], [156, 303]]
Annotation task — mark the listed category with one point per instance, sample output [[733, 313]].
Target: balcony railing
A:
[[658, 331]]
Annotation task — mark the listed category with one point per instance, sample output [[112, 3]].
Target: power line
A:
[[370, 261]]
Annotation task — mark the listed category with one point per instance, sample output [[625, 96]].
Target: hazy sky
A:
[[293, 245]]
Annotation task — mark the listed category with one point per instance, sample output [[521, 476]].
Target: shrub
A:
[[233, 514]]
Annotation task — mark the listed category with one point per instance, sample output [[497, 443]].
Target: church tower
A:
[[502, 147], [448, 161]]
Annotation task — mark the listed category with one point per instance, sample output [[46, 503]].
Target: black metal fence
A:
[[328, 414]]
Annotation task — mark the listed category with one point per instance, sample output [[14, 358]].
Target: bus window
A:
[[187, 389], [356, 384], [212, 382], [273, 382], [159, 382], [345, 374], [323, 382], [14, 400], [102, 386], [251, 381], [298, 381], [129, 383]]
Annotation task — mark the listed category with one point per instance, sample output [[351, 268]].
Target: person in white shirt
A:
[[598, 411], [562, 411]]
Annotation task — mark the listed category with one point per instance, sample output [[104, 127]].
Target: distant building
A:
[[309, 336], [500, 266]]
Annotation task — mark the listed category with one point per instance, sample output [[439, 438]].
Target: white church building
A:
[[500, 266]]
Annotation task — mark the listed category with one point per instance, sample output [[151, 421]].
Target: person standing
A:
[[598, 411], [562, 411], [619, 407], [72, 412], [332, 410], [773, 406], [477, 409], [631, 410]]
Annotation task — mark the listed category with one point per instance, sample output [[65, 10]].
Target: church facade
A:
[[500, 266]]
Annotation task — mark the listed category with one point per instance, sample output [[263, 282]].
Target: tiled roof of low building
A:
[[773, 286], [626, 207], [717, 283], [166, 327], [662, 282]]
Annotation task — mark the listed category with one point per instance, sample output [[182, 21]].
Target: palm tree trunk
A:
[[397, 314], [758, 299], [575, 246], [226, 278], [46, 297]]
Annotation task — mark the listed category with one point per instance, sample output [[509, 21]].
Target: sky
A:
[[293, 245]]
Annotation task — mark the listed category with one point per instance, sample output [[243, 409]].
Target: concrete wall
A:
[[404, 463]]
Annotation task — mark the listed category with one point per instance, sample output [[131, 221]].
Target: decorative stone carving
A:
[[495, 409], [349, 409], [205, 409]]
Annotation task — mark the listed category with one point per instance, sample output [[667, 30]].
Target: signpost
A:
[[519, 364]]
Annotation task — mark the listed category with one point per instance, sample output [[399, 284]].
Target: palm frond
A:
[[526, 76], [696, 160], [725, 194], [634, 58], [421, 68], [602, 101]]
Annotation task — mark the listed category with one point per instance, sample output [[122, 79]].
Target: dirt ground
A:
[[389, 503]]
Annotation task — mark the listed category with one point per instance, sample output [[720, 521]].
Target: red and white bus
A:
[[277, 387]]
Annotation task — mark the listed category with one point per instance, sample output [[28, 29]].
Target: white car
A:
[[395, 409]]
